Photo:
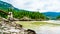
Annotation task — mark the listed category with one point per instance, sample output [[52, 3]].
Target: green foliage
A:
[[21, 13], [58, 17], [3, 15], [33, 15]]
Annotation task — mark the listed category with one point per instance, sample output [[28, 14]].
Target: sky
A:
[[36, 5]]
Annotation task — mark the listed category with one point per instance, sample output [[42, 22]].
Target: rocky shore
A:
[[7, 27]]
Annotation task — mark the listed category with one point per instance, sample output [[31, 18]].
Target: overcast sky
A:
[[36, 5]]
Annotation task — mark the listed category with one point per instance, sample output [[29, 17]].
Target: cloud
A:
[[36, 5]]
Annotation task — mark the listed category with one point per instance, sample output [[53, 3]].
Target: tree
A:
[[21, 13], [58, 17]]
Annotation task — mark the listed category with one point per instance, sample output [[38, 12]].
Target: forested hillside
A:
[[23, 13], [6, 7]]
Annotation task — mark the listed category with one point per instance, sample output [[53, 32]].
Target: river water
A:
[[49, 29], [46, 28]]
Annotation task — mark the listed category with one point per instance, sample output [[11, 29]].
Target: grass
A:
[[39, 23], [32, 25]]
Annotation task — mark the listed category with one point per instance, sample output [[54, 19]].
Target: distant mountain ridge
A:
[[5, 6], [52, 14]]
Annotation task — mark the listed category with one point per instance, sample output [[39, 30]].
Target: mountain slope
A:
[[52, 14], [21, 13], [6, 6]]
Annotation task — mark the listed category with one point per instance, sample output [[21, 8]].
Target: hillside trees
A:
[[21, 13], [58, 17]]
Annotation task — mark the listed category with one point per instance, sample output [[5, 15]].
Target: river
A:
[[52, 26], [49, 29]]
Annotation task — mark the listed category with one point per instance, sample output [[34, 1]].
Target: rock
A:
[[29, 31], [10, 27]]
